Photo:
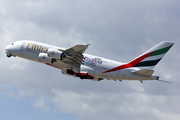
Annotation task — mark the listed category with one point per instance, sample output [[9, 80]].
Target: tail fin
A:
[[147, 60], [151, 57]]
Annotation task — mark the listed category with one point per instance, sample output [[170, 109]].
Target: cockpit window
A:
[[12, 44]]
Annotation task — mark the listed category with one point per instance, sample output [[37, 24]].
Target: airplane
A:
[[74, 62]]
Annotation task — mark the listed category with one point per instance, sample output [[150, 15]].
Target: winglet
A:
[[87, 45]]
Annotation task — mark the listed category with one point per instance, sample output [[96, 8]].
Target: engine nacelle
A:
[[53, 53], [45, 59], [82, 75], [68, 72]]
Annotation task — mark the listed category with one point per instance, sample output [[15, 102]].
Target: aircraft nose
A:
[[8, 48]]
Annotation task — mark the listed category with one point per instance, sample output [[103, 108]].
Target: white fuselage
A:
[[93, 65]]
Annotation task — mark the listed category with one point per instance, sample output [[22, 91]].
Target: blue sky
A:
[[23, 108], [119, 30]]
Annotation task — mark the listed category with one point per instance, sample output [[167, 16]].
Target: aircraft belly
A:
[[31, 56]]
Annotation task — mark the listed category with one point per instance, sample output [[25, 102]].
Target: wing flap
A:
[[144, 72], [74, 56]]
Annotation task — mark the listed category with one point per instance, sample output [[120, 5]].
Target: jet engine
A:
[[82, 75], [45, 59], [53, 53]]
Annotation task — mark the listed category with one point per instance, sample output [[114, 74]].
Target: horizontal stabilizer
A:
[[144, 72], [164, 81]]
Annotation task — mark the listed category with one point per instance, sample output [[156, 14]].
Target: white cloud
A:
[[41, 104], [114, 106]]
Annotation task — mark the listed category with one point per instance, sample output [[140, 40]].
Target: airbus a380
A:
[[75, 62]]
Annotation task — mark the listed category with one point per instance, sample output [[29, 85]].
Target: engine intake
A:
[[70, 72], [53, 53], [45, 59]]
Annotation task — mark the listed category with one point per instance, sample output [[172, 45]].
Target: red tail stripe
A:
[[80, 74], [130, 64], [139, 59]]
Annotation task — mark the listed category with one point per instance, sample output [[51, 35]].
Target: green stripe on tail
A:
[[160, 51]]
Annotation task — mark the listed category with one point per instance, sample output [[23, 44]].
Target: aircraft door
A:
[[21, 47], [98, 66], [118, 73]]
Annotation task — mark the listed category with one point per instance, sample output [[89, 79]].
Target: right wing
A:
[[74, 56]]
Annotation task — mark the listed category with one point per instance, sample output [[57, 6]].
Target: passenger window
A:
[[12, 44]]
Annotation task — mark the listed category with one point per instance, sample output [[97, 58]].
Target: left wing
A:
[[74, 56]]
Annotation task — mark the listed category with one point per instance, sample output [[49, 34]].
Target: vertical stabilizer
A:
[[150, 58], [147, 60]]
